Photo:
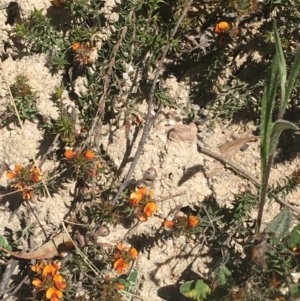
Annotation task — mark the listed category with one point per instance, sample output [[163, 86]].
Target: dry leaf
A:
[[59, 243], [228, 149]]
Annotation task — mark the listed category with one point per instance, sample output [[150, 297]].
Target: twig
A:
[[16, 288], [242, 172], [149, 118], [7, 275], [221, 159], [101, 102], [169, 197]]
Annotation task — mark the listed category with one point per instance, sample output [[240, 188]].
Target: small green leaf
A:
[[278, 127], [196, 289], [280, 224], [132, 276], [3, 241], [294, 237]]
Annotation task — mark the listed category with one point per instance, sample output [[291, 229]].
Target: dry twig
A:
[[241, 172]]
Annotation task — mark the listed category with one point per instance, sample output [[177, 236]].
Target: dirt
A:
[[183, 172]]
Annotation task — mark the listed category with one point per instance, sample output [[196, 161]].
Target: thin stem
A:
[[150, 119], [263, 192]]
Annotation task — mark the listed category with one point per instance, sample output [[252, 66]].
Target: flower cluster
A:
[[23, 179], [85, 163], [50, 282], [85, 54], [143, 203], [182, 223], [122, 257]]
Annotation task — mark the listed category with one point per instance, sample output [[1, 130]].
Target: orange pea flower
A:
[[27, 194], [120, 286], [121, 246], [170, 224], [222, 27], [133, 252], [150, 208], [135, 198], [38, 267], [121, 265], [89, 154], [11, 174], [75, 46], [53, 294], [36, 175], [143, 190], [58, 280], [37, 282], [193, 221], [49, 269], [69, 154]]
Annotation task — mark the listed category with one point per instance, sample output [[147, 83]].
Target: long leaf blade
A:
[[281, 67], [268, 101], [292, 79]]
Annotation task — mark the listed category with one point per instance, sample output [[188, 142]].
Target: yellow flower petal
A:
[[135, 198], [49, 270], [150, 208], [133, 252], [36, 282], [222, 27], [53, 294]]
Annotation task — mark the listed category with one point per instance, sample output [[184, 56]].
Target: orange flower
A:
[[143, 190], [69, 154], [58, 280], [53, 294], [11, 174], [222, 27], [89, 154], [133, 252], [38, 267], [170, 224], [120, 286], [121, 246], [135, 198], [49, 269], [27, 194], [75, 46], [36, 282], [150, 208], [193, 221], [36, 175], [121, 265]]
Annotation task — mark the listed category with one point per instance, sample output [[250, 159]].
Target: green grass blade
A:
[[282, 69], [292, 79], [268, 101]]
